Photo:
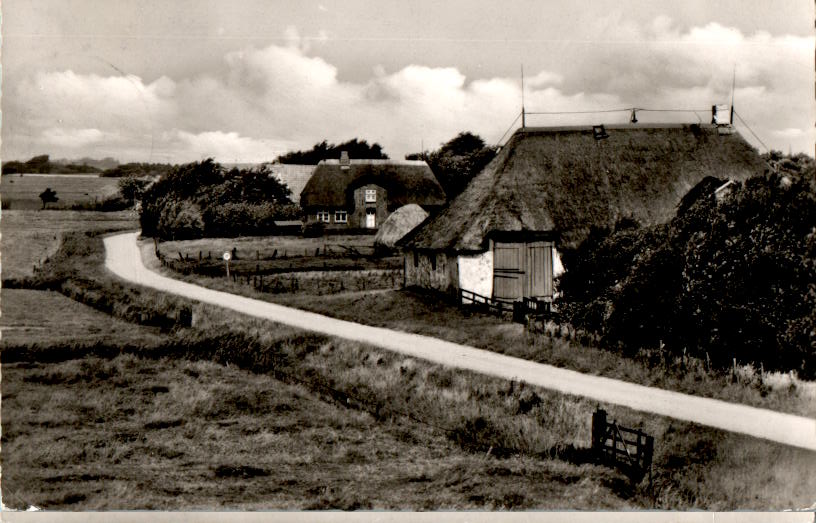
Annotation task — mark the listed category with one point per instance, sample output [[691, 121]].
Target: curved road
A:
[[123, 259]]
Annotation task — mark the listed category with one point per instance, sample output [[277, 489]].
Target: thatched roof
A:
[[294, 176], [398, 224], [565, 180], [406, 181]]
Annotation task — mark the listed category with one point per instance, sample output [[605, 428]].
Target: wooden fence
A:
[[471, 299], [628, 449]]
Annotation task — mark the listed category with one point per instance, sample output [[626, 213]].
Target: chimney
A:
[[720, 114], [344, 160]]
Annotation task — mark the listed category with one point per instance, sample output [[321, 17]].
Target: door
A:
[[508, 271], [371, 218], [539, 271]]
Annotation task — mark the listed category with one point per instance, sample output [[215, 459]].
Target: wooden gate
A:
[[508, 271], [631, 450], [539, 270], [522, 270]]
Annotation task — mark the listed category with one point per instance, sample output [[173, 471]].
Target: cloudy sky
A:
[[182, 80]]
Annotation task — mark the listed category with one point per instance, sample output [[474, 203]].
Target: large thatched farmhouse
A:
[[361, 194], [548, 186]]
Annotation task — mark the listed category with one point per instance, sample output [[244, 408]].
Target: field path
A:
[[123, 259]]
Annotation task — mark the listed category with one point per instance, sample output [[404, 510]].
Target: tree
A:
[[131, 188], [457, 161], [48, 196], [359, 149]]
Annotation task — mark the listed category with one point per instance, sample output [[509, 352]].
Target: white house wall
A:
[[476, 273], [443, 277], [558, 267]]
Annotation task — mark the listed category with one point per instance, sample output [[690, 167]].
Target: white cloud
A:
[[72, 138], [281, 97]]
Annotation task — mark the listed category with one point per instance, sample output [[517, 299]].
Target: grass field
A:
[[130, 433], [277, 254], [31, 317], [22, 192], [29, 237]]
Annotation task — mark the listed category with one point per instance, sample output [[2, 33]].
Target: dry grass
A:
[[129, 433], [31, 237]]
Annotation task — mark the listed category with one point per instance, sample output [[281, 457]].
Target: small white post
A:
[[227, 257]]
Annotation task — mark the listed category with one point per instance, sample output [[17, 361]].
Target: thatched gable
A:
[[565, 180], [406, 181], [294, 176], [401, 222]]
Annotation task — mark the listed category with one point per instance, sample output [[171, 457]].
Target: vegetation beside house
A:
[[730, 277], [457, 161], [202, 199]]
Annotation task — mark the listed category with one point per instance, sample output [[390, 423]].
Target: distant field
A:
[[29, 237], [22, 192], [48, 318]]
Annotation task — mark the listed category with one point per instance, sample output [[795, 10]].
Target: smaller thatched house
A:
[[361, 194], [548, 186], [401, 222]]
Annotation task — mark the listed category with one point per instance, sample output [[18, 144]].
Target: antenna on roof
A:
[[523, 116], [733, 88]]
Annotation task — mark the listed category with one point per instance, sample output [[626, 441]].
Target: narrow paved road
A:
[[123, 259]]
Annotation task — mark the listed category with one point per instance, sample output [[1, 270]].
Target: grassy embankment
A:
[[411, 311], [436, 438]]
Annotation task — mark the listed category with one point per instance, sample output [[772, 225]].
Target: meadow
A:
[[22, 192], [232, 412], [277, 254], [30, 237]]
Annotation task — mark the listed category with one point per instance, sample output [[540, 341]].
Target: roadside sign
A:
[[227, 256]]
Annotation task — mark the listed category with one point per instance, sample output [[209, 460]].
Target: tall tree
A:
[[357, 149], [457, 161]]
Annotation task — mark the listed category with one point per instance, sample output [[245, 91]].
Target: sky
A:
[[246, 80]]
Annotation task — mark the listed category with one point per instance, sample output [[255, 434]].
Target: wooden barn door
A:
[[508, 271], [539, 270]]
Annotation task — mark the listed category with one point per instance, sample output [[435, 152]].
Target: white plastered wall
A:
[[558, 267], [476, 273]]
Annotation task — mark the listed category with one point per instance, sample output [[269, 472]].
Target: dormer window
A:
[[371, 195]]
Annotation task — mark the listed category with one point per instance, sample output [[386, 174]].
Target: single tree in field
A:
[[48, 196]]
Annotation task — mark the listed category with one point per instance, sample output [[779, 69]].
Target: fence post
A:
[[648, 453], [598, 432]]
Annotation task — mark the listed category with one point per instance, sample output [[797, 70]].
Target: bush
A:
[[728, 279], [202, 199]]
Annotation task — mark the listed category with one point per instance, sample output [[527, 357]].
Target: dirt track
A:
[[123, 259]]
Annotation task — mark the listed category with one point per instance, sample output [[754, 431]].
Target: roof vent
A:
[[599, 131], [344, 160]]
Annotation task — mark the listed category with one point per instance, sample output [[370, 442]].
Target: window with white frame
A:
[[370, 195], [340, 217], [323, 216]]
